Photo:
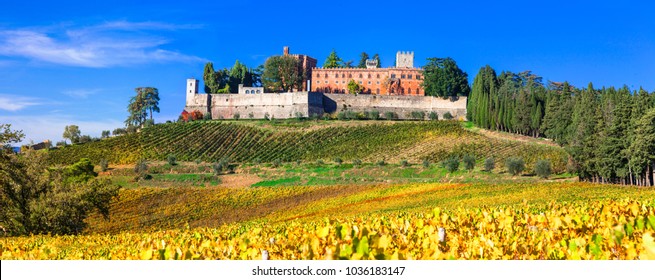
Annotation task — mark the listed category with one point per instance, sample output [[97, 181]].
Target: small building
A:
[[250, 90]]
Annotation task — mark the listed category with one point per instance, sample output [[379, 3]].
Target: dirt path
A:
[[239, 181]]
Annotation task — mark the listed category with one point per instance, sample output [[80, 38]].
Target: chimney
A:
[[286, 50]]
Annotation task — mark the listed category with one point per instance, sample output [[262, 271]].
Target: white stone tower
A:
[[404, 59], [191, 90]]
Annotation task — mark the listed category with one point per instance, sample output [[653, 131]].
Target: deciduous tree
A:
[[443, 78]]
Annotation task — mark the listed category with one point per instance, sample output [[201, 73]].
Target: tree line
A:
[[609, 132]]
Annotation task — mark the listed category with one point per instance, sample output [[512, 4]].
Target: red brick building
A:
[[307, 63], [384, 81]]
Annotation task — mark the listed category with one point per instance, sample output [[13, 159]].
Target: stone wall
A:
[[276, 105], [401, 105]]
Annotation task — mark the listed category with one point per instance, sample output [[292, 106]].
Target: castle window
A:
[[336, 75], [369, 76], [343, 75], [418, 77], [258, 91], [377, 91], [393, 76], [350, 75], [247, 91], [360, 76], [336, 82], [378, 82], [378, 76], [369, 82], [409, 91], [360, 82], [409, 76], [402, 76], [318, 82], [326, 75]]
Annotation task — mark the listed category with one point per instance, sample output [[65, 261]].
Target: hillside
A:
[[266, 141]]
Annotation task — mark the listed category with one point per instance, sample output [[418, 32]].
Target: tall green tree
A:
[[362, 60], [72, 132], [281, 74], [442, 77], [642, 149], [209, 78], [377, 58], [151, 97], [333, 61]]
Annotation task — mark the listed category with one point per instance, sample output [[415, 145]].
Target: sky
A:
[[78, 62]]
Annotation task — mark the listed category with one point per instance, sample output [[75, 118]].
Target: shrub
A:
[[433, 116], [489, 164], [207, 117], [418, 115], [374, 115], [357, 162], [543, 168], [390, 115], [171, 159], [447, 116], [141, 170], [404, 163], [426, 163], [236, 116], [267, 116], [148, 123], [251, 115], [104, 165], [515, 165], [298, 162], [338, 161], [84, 139], [257, 161], [381, 163], [469, 162], [320, 162], [276, 163], [198, 161], [105, 133], [299, 115], [61, 144], [451, 164], [341, 116]]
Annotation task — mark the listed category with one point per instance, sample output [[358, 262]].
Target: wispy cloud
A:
[[9, 102], [81, 93], [118, 43]]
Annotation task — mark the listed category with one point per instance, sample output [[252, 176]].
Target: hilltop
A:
[[292, 140]]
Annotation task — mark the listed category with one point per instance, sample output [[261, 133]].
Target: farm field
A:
[[557, 220]]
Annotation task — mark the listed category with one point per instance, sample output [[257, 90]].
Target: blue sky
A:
[[78, 62]]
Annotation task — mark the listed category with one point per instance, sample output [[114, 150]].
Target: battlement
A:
[[405, 59]]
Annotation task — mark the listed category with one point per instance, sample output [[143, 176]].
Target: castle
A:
[[396, 90]]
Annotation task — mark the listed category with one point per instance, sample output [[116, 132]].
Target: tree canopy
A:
[[443, 78], [333, 61], [362, 60], [72, 132], [282, 74]]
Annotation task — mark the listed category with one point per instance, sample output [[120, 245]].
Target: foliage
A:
[[390, 115], [276, 163], [451, 164], [353, 87], [373, 115], [333, 61], [542, 168], [469, 162], [171, 159], [515, 165], [357, 162], [404, 163], [338, 160], [426, 163], [236, 116], [417, 115], [282, 74], [36, 199], [377, 58], [381, 162], [447, 116], [442, 77], [489, 164], [105, 133], [72, 132], [433, 116], [146, 100], [141, 170], [104, 165], [362, 60]]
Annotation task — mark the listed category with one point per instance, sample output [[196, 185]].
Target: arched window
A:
[[360, 76], [409, 91], [326, 75], [258, 91], [343, 75], [247, 91], [350, 75]]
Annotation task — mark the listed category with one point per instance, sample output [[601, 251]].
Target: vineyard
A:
[[248, 142], [605, 229]]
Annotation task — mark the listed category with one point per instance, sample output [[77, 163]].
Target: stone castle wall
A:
[[287, 105]]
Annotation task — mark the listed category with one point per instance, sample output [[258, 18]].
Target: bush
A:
[[338, 161], [489, 164], [141, 170], [447, 116], [320, 162], [515, 165], [469, 162], [390, 115], [251, 115], [257, 161], [148, 123], [404, 163], [276, 163], [451, 164], [433, 116], [418, 115], [207, 117], [341, 116], [543, 168], [426, 163], [236, 116], [374, 115], [171, 159], [61, 144], [299, 116], [105, 133], [104, 165], [84, 139], [357, 162], [381, 163], [267, 116]]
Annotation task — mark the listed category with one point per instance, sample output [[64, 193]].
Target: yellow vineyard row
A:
[[605, 229]]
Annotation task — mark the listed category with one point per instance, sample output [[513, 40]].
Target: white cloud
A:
[[118, 43], [9, 102], [81, 93], [51, 127]]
